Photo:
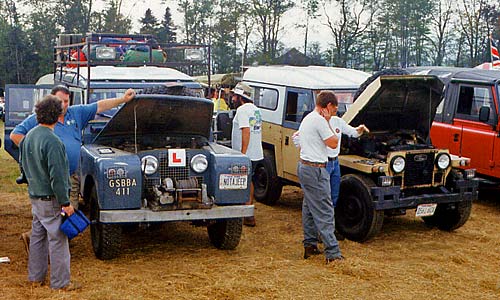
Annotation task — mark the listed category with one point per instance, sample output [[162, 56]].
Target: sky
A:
[[291, 36]]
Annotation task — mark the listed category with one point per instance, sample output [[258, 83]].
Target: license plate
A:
[[425, 210], [233, 182]]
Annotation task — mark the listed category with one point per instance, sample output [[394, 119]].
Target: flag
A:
[[495, 58]]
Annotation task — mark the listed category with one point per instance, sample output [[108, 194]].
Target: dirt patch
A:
[[176, 261]]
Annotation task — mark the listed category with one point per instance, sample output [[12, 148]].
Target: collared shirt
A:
[[339, 127], [70, 132], [314, 130]]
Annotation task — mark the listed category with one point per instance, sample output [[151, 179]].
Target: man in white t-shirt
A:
[[246, 136], [317, 208], [339, 127]]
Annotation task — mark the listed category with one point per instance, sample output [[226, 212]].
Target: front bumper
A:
[[391, 197], [147, 215]]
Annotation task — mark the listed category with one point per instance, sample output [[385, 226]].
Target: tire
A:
[[106, 238], [355, 214], [178, 90], [450, 216], [372, 78], [225, 234], [267, 185]]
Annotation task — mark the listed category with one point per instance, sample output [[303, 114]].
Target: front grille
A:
[[177, 173], [419, 171]]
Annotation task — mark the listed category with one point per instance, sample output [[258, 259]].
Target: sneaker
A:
[[310, 251], [334, 259], [25, 237], [249, 221], [71, 286]]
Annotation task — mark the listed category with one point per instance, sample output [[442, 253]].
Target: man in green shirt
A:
[[43, 158]]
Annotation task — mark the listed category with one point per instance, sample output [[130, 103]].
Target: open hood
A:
[[402, 102], [160, 116]]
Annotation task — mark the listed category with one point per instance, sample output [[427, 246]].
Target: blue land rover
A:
[[153, 162]]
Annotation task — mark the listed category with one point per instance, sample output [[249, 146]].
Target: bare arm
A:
[[106, 104], [16, 138], [332, 142], [245, 139]]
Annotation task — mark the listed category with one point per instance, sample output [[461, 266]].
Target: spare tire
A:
[[177, 90], [372, 78]]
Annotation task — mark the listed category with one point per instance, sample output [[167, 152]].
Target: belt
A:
[[332, 158], [313, 164], [43, 198]]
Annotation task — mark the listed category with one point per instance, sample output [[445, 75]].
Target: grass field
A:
[[406, 260]]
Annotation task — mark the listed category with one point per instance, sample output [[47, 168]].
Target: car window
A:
[[471, 99], [266, 98], [297, 104]]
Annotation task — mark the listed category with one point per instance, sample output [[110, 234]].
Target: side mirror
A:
[[484, 113]]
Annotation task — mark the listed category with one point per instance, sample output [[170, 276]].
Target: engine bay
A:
[[379, 143]]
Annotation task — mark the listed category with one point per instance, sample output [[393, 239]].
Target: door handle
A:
[[287, 140], [456, 137]]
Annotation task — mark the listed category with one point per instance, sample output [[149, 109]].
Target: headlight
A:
[[443, 161], [199, 163], [105, 53], [149, 164], [398, 164]]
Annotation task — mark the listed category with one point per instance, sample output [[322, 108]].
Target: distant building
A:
[[294, 57]]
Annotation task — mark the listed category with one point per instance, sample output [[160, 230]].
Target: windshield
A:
[[345, 98], [100, 94]]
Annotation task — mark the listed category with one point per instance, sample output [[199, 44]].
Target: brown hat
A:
[[243, 90]]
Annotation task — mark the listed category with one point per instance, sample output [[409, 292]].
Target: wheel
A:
[[225, 234], [372, 78], [355, 214], [450, 216], [106, 238], [267, 185]]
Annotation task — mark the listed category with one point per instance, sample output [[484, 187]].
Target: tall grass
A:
[[9, 170]]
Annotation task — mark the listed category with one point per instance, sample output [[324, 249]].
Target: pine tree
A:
[[166, 32], [149, 23]]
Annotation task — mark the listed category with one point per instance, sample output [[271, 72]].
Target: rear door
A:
[[20, 100]]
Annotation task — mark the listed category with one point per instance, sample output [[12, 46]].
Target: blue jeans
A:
[[317, 209], [333, 169]]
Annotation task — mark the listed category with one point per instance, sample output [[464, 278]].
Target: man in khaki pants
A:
[[45, 164]]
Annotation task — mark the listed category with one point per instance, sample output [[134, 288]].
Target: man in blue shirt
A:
[[69, 128]]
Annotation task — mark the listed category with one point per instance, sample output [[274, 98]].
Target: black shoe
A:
[[339, 236], [310, 251], [334, 259]]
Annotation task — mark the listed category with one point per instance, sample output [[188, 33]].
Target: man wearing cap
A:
[[45, 164], [247, 132], [317, 207], [69, 129]]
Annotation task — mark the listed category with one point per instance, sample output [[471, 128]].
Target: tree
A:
[[268, 14], [311, 8], [355, 18], [197, 20], [441, 30], [113, 20], [149, 23], [475, 28], [166, 31]]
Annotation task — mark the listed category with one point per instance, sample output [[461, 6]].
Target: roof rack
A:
[[74, 52]]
